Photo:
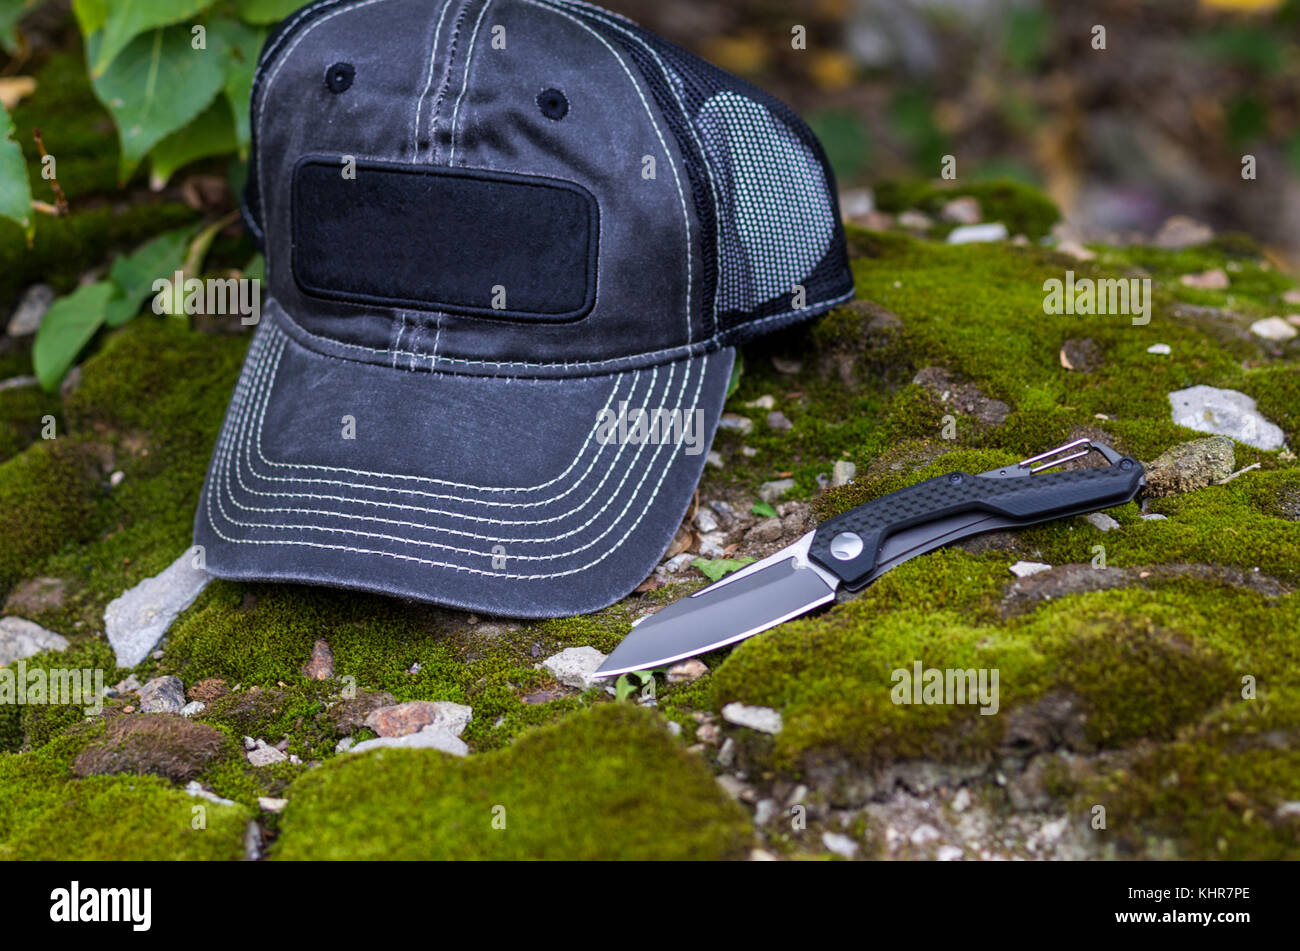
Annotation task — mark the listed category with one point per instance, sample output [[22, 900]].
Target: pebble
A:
[[843, 472], [1181, 231], [948, 853], [574, 666], [136, 621], [762, 719], [779, 421], [31, 309], [713, 545], [1215, 279], [1101, 521], [970, 234], [714, 458], [250, 743], [1023, 569], [961, 801], [771, 491], [724, 512], [788, 367], [162, 695], [1191, 465], [321, 664], [19, 382], [271, 804], [766, 401], [749, 452], [403, 719], [21, 638], [193, 708], [1075, 250], [736, 423], [345, 744], [914, 220], [687, 671], [1292, 296], [840, 844], [194, 789], [1273, 328], [1163, 349], [1209, 409], [761, 855], [768, 530], [705, 520], [923, 834], [1153, 517], [263, 755], [727, 753], [678, 562], [962, 211], [674, 728], [116, 479], [764, 811]]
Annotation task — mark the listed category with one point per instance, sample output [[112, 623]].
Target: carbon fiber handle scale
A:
[[847, 545]]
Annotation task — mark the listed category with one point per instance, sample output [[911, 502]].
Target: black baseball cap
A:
[[511, 246]]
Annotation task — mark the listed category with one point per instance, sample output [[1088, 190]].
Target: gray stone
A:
[[768, 530], [713, 545], [263, 755], [714, 458], [962, 211], [779, 421], [21, 638], [31, 309], [194, 789], [771, 491], [764, 811], [1273, 328], [1191, 465], [19, 383], [840, 844], [762, 719], [1182, 232], [1208, 409], [705, 520], [948, 853], [162, 695], [431, 737], [736, 423], [727, 753], [574, 666], [687, 671], [193, 708], [137, 620], [1023, 569], [271, 804], [914, 220], [843, 472], [1101, 521], [970, 234], [766, 401]]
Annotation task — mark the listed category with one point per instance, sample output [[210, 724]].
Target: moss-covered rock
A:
[[606, 783]]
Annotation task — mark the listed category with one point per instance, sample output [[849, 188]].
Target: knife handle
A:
[[847, 545]]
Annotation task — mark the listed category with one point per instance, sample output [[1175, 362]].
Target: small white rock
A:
[[713, 545], [431, 737], [265, 755], [687, 671], [1101, 521], [193, 708], [271, 804], [961, 801], [924, 833], [766, 401], [764, 811], [843, 472], [21, 638], [1273, 328], [705, 520], [948, 853], [1160, 348], [1155, 517], [1023, 569], [714, 458], [762, 719], [968, 234], [574, 666], [840, 844], [771, 491]]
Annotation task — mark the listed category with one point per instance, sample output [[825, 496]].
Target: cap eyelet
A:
[[553, 104], [338, 78]]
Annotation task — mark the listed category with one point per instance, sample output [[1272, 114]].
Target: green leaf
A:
[[716, 568], [158, 85], [243, 44], [625, 688], [68, 326], [91, 15], [15, 187], [764, 510], [11, 11], [737, 370], [266, 11], [124, 20], [134, 274], [212, 133]]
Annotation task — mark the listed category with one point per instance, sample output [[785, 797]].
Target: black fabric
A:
[[445, 239]]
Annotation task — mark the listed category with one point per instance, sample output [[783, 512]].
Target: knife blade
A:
[[854, 548]]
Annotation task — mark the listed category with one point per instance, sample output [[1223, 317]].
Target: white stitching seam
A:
[[240, 434], [464, 84], [261, 372], [428, 84]]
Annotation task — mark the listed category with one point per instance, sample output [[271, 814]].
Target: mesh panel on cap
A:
[[763, 189]]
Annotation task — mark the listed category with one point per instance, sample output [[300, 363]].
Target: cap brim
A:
[[503, 495]]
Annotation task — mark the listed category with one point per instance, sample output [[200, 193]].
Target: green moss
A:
[[605, 783], [1024, 210], [23, 411]]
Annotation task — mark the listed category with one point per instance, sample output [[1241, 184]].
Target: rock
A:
[[250, 743], [771, 491], [1023, 569], [136, 621], [321, 664], [270, 804], [1215, 279], [1161, 349], [727, 753], [1080, 354], [1273, 328], [252, 841], [162, 695], [766, 401], [948, 853], [914, 220], [736, 423], [843, 472], [263, 755], [713, 545], [762, 719], [1208, 409], [19, 383], [158, 745], [778, 421], [403, 719], [194, 789], [840, 844], [857, 202], [970, 234], [21, 638], [714, 458], [1075, 250], [193, 708], [924, 834], [345, 744], [705, 520], [965, 397], [430, 738], [1190, 466], [574, 666], [1292, 296], [1154, 517], [749, 452], [208, 690], [348, 716], [962, 211], [788, 367], [1101, 521], [768, 530], [37, 596], [1182, 232], [31, 309], [679, 562], [961, 801], [687, 671]]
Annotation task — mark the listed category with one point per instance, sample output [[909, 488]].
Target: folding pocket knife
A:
[[856, 547]]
